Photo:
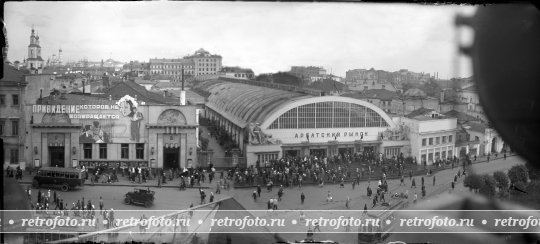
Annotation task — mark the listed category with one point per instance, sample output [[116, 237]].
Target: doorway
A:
[[291, 153], [171, 158], [320, 153], [56, 157]]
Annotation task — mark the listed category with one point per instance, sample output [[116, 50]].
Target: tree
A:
[[518, 173], [502, 180], [534, 172], [489, 186], [431, 88], [473, 182]]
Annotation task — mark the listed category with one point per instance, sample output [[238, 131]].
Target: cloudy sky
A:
[[264, 36]]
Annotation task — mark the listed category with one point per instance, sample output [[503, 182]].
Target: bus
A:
[[66, 178]]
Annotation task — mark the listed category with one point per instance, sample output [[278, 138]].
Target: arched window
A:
[[329, 115]]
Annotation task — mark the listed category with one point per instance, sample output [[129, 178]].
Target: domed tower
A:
[[34, 62], [60, 62]]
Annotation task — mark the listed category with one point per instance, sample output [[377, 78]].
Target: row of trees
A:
[[500, 182]]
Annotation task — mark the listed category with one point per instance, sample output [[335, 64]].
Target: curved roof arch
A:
[[280, 111]]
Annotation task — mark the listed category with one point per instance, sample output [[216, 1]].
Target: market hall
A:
[[269, 122]]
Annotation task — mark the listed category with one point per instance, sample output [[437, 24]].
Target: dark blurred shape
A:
[[506, 65], [484, 233]]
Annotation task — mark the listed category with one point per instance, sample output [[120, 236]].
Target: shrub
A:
[[534, 172], [473, 182], [489, 186], [502, 180], [518, 173]]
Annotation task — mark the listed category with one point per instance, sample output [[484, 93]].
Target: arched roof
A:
[[242, 103], [293, 104]]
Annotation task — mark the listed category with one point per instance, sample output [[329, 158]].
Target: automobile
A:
[[140, 196]]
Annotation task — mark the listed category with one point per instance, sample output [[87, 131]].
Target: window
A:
[[14, 156], [103, 151], [444, 139], [437, 140], [431, 141], [424, 142], [139, 151], [124, 151], [2, 100], [15, 100], [392, 151], [450, 139], [87, 150], [15, 127]]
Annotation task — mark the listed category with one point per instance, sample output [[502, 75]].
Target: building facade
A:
[[72, 130], [172, 68], [205, 63], [432, 135], [12, 91], [269, 123]]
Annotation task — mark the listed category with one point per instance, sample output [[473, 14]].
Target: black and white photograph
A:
[[270, 122]]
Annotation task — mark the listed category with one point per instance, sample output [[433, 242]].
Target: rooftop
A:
[[244, 103], [477, 127], [381, 94], [11, 74], [424, 114], [462, 117], [133, 89]]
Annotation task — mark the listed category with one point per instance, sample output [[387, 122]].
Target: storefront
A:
[[87, 130]]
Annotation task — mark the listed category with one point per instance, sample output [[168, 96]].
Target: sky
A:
[[264, 36]]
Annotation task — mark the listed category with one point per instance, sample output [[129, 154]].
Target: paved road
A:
[[173, 199]]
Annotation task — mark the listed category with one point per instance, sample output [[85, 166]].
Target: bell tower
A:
[[34, 63]]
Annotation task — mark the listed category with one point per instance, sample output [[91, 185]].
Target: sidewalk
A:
[[123, 181]]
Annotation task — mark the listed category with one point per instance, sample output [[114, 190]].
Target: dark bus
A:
[[66, 178]]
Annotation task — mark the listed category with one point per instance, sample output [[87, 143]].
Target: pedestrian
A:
[[422, 180], [433, 179], [274, 207], [413, 183], [488, 158], [254, 196], [329, 197], [347, 202], [100, 205], [302, 197], [353, 183], [374, 202], [259, 190], [402, 180], [415, 198], [365, 209], [211, 197], [504, 155], [453, 185], [455, 178], [316, 226]]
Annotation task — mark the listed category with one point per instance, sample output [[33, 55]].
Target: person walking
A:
[[402, 180], [254, 195], [504, 155], [347, 202], [211, 197], [302, 198], [413, 184], [259, 190], [415, 198], [433, 179], [422, 180], [100, 205]]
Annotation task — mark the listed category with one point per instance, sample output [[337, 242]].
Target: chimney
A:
[[182, 92], [442, 96]]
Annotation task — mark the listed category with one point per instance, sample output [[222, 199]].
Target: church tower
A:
[[34, 62]]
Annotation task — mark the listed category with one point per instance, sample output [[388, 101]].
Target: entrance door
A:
[[345, 151], [291, 153], [494, 145], [171, 158], [56, 156], [318, 152]]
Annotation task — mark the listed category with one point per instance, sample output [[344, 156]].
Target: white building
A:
[[432, 135]]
